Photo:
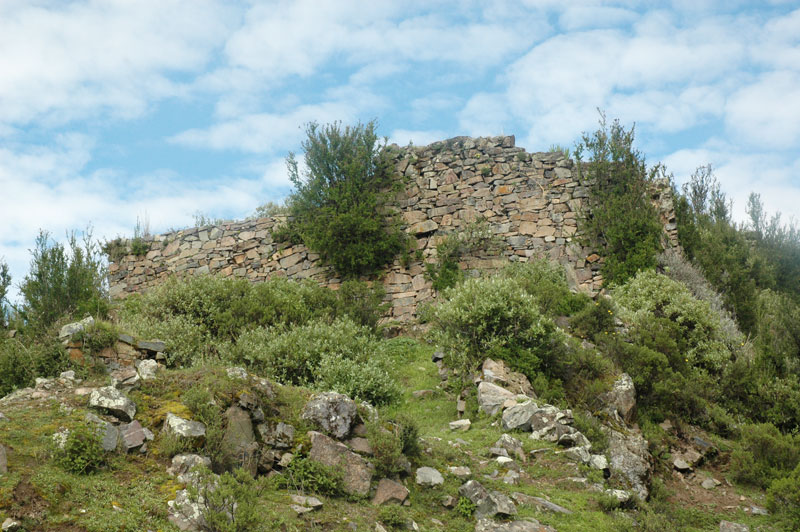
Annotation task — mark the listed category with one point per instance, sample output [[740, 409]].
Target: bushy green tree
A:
[[338, 205], [619, 219], [63, 280], [5, 282]]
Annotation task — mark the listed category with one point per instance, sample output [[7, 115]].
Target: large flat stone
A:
[[357, 471]]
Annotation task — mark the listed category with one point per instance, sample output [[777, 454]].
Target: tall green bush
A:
[[618, 219], [338, 205]]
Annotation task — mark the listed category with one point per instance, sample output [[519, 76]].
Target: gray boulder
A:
[[621, 400], [488, 504], [108, 432], [357, 471], [151, 346], [518, 417], [147, 369], [183, 428], [497, 372], [527, 525], [70, 329], [491, 397], [389, 492], [281, 436], [10, 525], [185, 513], [538, 502], [628, 454], [332, 412], [112, 401], [134, 435], [184, 466], [239, 439], [3, 461], [429, 477], [728, 526], [125, 379]]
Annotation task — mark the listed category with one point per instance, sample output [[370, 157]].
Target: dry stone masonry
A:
[[530, 201]]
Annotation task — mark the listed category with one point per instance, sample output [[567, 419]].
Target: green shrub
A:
[[63, 281], [546, 282], [339, 204], [619, 218], [98, 337], [465, 507], [309, 476], [83, 451], [208, 408], [492, 317], [293, 355], [764, 455], [387, 450], [783, 498], [589, 426], [392, 516], [408, 432], [594, 319], [229, 503], [474, 238], [24, 359], [364, 380], [362, 303]]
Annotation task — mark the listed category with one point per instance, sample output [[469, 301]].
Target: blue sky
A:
[[117, 109]]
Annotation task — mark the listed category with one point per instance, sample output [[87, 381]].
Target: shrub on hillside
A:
[[22, 360], [783, 498], [82, 451], [546, 282], [492, 317], [764, 454], [364, 380]]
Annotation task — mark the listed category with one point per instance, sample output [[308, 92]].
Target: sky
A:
[[115, 111]]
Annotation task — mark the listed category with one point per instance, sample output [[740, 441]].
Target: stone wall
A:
[[530, 201]]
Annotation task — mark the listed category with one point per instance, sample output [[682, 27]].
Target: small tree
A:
[[5, 282], [619, 218], [62, 282], [339, 202]]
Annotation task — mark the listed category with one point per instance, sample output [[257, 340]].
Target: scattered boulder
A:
[[389, 492], [629, 455], [461, 425], [357, 471], [151, 346], [681, 465], [709, 483], [71, 329], [728, 526], [497, 372], [185, 513], [429, 477], [518, 417], [488, 504], [236, 373], [147, 369], [110, 400], [360, 445], [527, 525], [281, 436], [621, 400], [3, 461], [134, 435], [239, 439], [460, 472], [125, 379], [304, 504], [183, 464], [332, 412], [538, 502], [491, 397], [108, 432], [183, 428], [10, 525]]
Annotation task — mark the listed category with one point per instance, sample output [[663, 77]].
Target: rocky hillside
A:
[[492, 457]]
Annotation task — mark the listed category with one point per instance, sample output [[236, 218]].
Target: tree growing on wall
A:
[[338, 206], [619, 220]]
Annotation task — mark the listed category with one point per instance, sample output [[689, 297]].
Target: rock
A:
[[389, 491], [147, 369], [360, 445], [3, 417], [3, 460], [420, 394], [183, 465], [152, 346], [621, 399], [437, 356], [125, 379], [497, 372], [460, 472], [281, 436], [518, 417], [579, 454], [183, 428], [538, 502], [709, 484], [134, 435], [511, 478], [574, 439], [487, 503], [10, 525], [728, 526], [681, 465], [357, 471], [185, 514], [512, 445], [429, 477], [300, 510], [449, 502], [622, 496], [236, 373], [491, 397], [308, 502], [70, 329], [628, 454], [757, 510], [239, 439], [67, 376], [332, 412], [598, 461], [126, 338], [108, 432], [461, 425], [526, 525], [109, 399]]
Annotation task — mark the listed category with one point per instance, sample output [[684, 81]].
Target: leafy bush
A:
[[387, 450], [364, 380], [230, 502], [619, 218], [5, 282], [309, 476], [362, 303], [783, 498], [83, 451], [392, 516], [594, 319], [546, 282], [475, 237], [293, 355], [492, 317], [465, 507], [22, 361], [62, 282], [339, 204], [764, 455]]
